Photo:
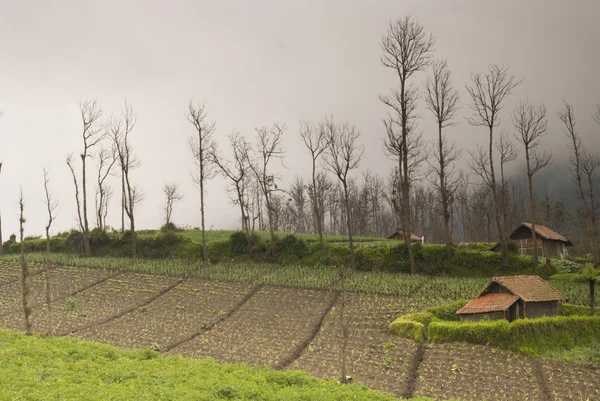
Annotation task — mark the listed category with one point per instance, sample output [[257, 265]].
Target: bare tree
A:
[[508, 152], [268, 147], [407, 50], [487, 92], [91, 135], [576, 161], [441, 98], [173, 195], [531, 125], [120, 129], [51, 205], [201, 145], [69, 160], [105, 160], [343, 155], [315, 140], [237, 173], [25, 290]]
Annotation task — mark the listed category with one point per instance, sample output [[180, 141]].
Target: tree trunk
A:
[[122, 201], [47, 284], [133, 235], [349, 225], [592, 296], [24, 277], [86, 228], [204, 249], [497, 204], [531, 206], [444, 193]]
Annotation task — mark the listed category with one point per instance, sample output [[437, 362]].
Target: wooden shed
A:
[[400, 236], [550, 244], [513, 297]]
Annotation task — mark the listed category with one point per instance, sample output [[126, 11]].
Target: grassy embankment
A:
[[36, 368]]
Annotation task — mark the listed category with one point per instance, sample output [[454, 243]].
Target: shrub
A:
[[408, 329], [290, 249], [98, 237], [531, 336], [238, 244], [218, 251], [169, 227], [448, 311]]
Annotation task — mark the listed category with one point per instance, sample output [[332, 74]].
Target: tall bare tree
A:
[[441, 98], [51, 205], [406, 50], [91, 134], [576, 161], [268, 147], [105, 160], [172, 195], [237, 172], [70, 163], [488, 92], [531, 125], [201, 145], [343, 154], [120, 130], [25, 290], [315, 140], [508, 153]]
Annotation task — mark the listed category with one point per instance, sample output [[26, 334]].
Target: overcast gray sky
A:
[[252, 63]]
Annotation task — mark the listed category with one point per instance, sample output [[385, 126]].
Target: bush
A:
[[98, 237], [290, 249], [218, 251], [577, 310], [531, 336], [408, 329], [169, 227], [448, 311], [238, 244]]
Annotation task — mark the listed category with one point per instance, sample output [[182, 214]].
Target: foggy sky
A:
[[252, 63]]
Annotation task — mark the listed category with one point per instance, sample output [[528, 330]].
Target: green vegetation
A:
[[551, 337], [543, 337], [35, 368], [372, 254], [589, 275], [430, 290]]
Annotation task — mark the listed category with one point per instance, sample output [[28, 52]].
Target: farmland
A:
[[288, 318]]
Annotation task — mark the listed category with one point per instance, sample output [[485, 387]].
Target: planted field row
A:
[[265, 330], [184, 311], [438, 289], [374, 356]]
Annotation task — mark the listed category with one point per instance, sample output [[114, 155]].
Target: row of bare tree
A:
[[425, 192]]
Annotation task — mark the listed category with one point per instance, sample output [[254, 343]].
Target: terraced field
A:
[[287, 328]]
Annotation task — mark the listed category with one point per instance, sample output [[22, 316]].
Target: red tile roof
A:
[[492, 302], [529, 288], [547, 233]]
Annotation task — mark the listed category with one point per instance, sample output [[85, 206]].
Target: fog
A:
[[254, 63]]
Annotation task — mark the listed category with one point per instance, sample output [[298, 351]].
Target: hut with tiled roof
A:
[[513, 297], [550, 244]]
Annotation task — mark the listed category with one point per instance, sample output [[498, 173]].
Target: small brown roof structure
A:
[[528, 288], [547, 233], [492, 302], [400, 235]]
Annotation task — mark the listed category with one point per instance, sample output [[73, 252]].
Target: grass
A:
[[36, 368]]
